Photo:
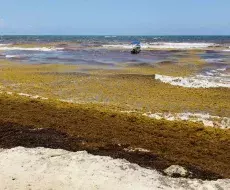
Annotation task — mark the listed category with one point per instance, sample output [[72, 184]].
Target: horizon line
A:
[[114, 35]]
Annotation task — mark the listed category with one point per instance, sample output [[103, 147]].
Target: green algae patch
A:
[[173, 69], [128, 89], [34, 45], [184, 143], [5, 63]]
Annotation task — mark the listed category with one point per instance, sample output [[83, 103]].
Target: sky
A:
[[115, 17]]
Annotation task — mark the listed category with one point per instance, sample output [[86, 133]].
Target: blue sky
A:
[[118, 17]]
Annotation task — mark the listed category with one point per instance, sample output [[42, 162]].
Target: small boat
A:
[[136, 48]]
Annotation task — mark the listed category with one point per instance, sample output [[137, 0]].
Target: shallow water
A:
[[112, 52]]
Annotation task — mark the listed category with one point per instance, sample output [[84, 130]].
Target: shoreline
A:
[[13, 135], [100, 131]]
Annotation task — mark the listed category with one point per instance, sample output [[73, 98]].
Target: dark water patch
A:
[[211, 51], [2, 56], [167, 62], [80, 74], [133, 76], [177, 51], [60, 59], [143, 64], [102, 57], [212, 55]]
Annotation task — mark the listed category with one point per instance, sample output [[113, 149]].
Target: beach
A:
[[89, 98]]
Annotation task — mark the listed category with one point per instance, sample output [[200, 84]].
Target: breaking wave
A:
[[214, 60], [7, 48], [15, 56], [211, 79], [165, 45]]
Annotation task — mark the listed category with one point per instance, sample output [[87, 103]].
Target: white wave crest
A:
[[164, 45], [199, 81], [121, 46], [181, 45], [14, 56], [5, 45], [6, 48], [11, 56], [24, 168], [213, 60]]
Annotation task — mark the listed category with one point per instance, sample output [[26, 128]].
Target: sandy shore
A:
[[43, 169]]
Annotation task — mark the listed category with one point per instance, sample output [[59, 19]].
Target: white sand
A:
[[47, 169]]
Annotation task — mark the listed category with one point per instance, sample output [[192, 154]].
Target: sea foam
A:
[[7, 48], [210, 79], [14, 56], [165, 45]]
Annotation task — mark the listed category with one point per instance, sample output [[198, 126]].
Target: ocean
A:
[[113, 39], [103, 50]]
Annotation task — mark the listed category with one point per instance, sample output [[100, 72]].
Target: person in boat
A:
[[136, 48]]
